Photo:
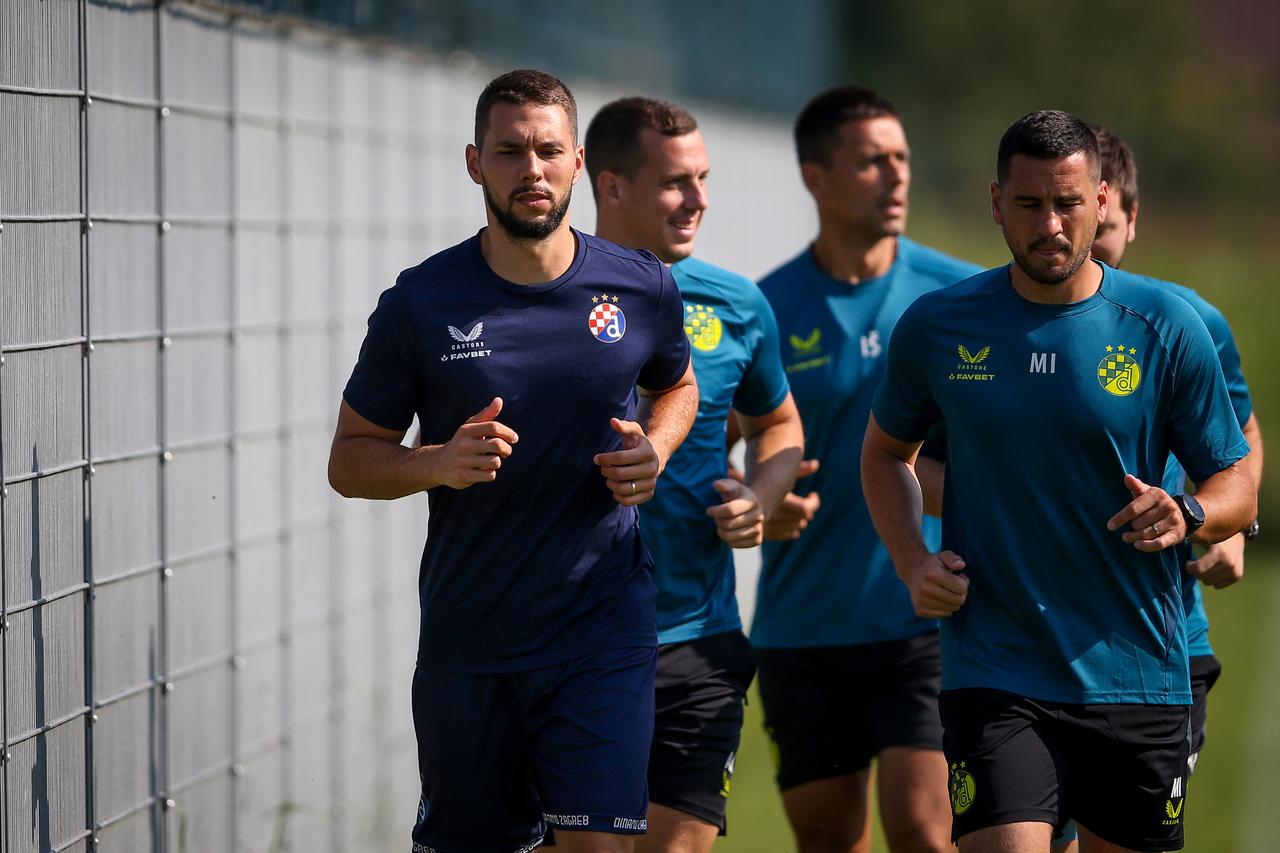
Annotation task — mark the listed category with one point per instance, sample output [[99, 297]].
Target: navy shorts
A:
[[504, 757], [830, 710], [1120, 770], [701, 689]]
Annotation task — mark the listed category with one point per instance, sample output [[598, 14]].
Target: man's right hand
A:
[[936, 590], [475, 452], [795, 512]]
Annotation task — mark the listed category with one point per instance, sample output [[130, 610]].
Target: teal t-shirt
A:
[[734, 342], [1047, 408], [1174, 477], [835, 585]]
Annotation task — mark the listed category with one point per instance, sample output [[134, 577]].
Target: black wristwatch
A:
[[1192, 512], [1251, 532]]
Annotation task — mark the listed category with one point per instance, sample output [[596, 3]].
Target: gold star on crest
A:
[[1109, 347], [615, 299], [1132, 351], [596, 299]]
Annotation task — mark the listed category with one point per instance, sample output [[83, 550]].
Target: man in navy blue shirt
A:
[[648, 167], [520, 351], [1065, 385]]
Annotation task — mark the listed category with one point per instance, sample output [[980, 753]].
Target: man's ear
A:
[[1133, 223], [814, 178], [608, 189], [473, 164], [995, 204]]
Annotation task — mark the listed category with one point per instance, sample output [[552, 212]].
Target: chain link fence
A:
[[204, 648]]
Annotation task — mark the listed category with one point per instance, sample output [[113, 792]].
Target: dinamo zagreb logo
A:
[[1119, 372], [606, 321], [962, 789], [703, 327]]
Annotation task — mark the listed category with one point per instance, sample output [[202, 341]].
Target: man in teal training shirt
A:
[[1065, 385], [648, 166], [848, 672]]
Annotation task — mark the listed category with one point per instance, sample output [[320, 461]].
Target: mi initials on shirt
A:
[[1043, 362]]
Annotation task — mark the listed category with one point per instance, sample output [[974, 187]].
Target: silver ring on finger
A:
[[633, 489], [1155, 529]]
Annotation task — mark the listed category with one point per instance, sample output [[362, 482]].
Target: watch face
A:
[[1193, 511]]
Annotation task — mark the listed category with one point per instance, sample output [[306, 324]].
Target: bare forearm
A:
[[1230, 502], [377, 469], [895, 503], [772, 458], [931, 474], [1253, 462], [667, 417]]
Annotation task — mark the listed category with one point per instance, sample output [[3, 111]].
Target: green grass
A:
[[1224, 809]]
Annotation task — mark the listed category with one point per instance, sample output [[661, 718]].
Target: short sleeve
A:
[[670, 358], [764, 385], [935, 443], [1202, 429], [386, 385], [1229, 359], [904, 406]]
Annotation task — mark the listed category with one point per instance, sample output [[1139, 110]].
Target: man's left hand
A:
[[1153, 514], [739, 519], [1221, 565], [632, 472]]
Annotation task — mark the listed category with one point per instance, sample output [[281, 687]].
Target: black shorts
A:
[[831, 709], [701, 689], [1120, 770], [1205, 670]]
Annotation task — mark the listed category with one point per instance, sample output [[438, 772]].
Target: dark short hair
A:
[[525, 86], [613, 137], [817, 129], [1048, 135], [1119, 169]]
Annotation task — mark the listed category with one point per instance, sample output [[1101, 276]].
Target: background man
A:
[[1064, 385], [848, 672], [520, 350], [649, 167]]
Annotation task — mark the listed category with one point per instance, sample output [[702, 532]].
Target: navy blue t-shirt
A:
[[541, 565], [1047, 408]]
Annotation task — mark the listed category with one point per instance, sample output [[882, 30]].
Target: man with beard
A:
[[520, 351], [648, 167], [1064, 385], [848, 672], [1222, 563]]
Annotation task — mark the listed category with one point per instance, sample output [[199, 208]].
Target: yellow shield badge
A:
[[702, 326], [1119, 372]]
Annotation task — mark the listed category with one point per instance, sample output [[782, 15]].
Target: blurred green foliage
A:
[[1202, 113]]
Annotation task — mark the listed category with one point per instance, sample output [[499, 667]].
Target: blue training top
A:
[[736, 361], [1174, 477], [835, 585], [1048, 407], [542, 565]]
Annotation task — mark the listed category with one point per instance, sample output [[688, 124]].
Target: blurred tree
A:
[[1202, 116]]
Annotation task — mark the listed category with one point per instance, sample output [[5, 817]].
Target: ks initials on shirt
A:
[[1043, 362]]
